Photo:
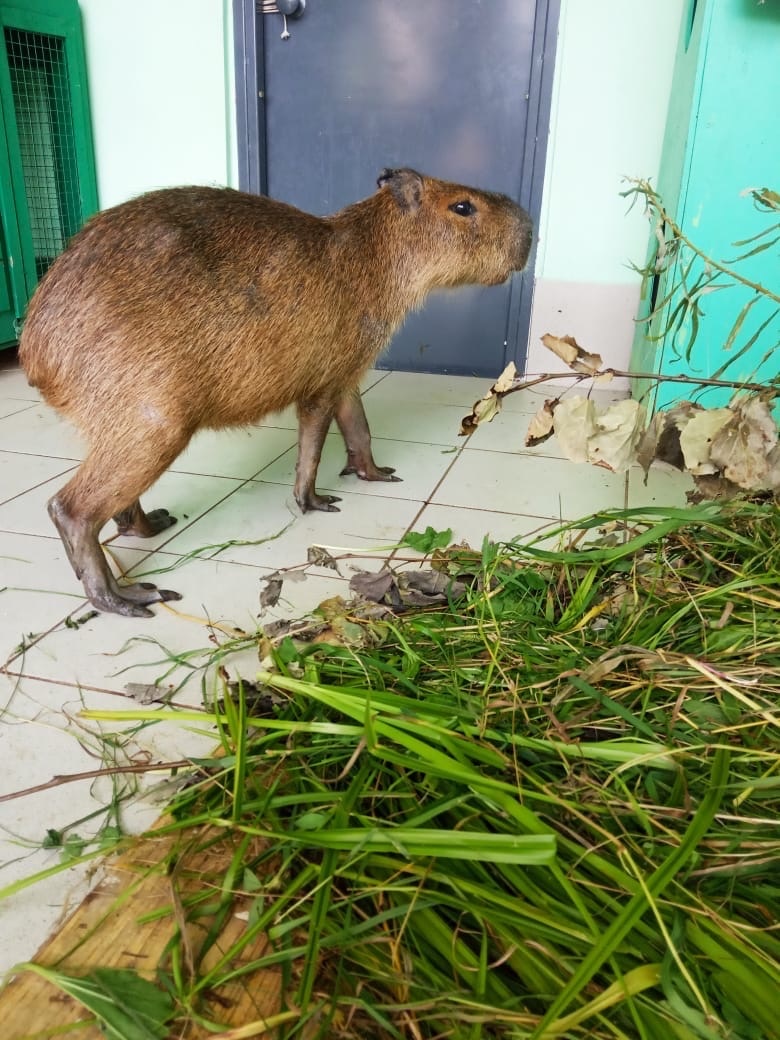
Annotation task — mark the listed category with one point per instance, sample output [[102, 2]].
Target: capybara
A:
[[208, 307]]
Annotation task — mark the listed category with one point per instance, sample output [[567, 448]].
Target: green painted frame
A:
[[60, 18]]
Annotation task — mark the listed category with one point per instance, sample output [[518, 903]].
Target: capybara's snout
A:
[[523, 237]]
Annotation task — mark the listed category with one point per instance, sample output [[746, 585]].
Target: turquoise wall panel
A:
[[722, 139]]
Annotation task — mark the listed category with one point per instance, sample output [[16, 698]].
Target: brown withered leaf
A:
[[712, 488], [741, 447], [575, 424], [402, 591], [650, 441], [540, 428], [772, 477], [696, 438], [565, 347], [506, 380], [372, 585], [618, 432], [146, 693], [269, 596], [607, 438], [488, 407], [568, 350], [316, 554]]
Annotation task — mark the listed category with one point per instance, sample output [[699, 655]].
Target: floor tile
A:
[[186, 495], [260, 511], [41, 732], [11, 406], [13, 381], [228, 486], [474, 525], [220, 600], [516, 484], [418, 387], [420, 467], [39, 430], [19, 474], [665, 486], [405, 420], [238, 453], [37, 588]]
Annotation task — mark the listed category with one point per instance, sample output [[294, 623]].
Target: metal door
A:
[[458, 89]]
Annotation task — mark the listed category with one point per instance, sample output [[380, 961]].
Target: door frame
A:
[[249, 52]]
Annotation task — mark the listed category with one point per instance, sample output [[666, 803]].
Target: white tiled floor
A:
[[234, 485]]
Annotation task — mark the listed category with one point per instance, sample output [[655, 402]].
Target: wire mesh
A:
[[42, 103]]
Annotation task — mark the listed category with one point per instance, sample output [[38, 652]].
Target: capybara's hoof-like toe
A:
[[168, 594], [143, 593], [160, 520], [371, 472], [323, 503], [117, 604]]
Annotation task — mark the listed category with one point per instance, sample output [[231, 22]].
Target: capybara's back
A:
[[195, 303], [207, 307]]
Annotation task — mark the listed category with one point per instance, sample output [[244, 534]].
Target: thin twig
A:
[[732, 384], [94, 774]]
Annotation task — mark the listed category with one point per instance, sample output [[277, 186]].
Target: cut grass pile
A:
[[546, 810]]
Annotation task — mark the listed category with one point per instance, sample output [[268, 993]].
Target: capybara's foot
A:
[[371, 471], [89, 562], [130, 600], [309, 500], [138, 524]]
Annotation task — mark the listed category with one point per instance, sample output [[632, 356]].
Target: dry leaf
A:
[[488, 407], [741, 447], [321, 557], [696, 437], [618, 432], [568, 349], [506, 380], [575, 423], [772, 475], [647, 449], [146, 693], [484, 410], [269, 596], [540, 428], [588, 364], [565, 347]]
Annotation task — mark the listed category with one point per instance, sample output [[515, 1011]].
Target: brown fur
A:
[[206, 307]]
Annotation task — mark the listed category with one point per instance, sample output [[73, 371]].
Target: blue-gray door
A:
[[458, 89]]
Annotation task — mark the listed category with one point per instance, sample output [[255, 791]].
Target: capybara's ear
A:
[[406, 186]]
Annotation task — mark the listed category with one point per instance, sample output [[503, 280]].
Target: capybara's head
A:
[[461, 234]]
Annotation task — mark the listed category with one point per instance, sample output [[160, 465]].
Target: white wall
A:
[[613, 73], [161, 93]]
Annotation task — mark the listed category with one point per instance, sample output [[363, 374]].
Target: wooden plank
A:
[[132, 919]]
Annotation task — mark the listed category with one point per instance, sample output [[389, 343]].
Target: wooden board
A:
[[129, 921]]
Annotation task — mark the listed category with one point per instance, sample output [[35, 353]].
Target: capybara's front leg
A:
[[135, 522], [314, 420], [351, 420]]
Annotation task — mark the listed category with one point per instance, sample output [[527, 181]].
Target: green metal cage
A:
[[47, 175]]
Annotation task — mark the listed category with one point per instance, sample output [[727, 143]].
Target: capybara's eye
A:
[[464, 208]]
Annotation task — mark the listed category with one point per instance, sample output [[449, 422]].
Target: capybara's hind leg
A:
[[134, 521], [109, 484], [80, 538], [351, 420]]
